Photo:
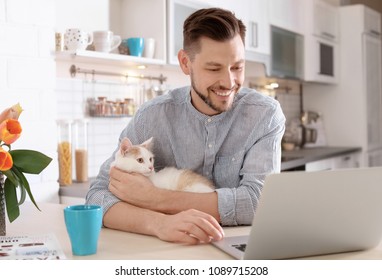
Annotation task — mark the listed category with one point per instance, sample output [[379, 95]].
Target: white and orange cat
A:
[[140, 159]]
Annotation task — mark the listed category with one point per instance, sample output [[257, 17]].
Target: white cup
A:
[[105, 41], [77, 39], [149, 50]]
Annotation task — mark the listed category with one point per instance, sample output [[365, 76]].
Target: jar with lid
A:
[[64, 150], [81, 149]]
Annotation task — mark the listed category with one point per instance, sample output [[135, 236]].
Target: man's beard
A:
[[207, 100]]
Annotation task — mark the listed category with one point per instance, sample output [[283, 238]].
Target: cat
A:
[[140, 159]]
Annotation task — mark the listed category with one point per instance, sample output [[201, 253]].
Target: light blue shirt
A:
[[235, 149]]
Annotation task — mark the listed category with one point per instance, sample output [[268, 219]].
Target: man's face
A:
[[217, 73]]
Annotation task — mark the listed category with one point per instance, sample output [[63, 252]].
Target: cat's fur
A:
[[140, 159]]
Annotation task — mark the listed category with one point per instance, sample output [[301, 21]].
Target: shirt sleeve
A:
[[237, 205]]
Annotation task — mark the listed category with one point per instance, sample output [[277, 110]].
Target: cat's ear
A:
[[125, 145], [148, 144]]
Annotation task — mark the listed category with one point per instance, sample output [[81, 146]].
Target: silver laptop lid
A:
[[312, 213]]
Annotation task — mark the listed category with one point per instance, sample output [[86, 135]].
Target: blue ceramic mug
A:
[[135, 46], [83, 223]]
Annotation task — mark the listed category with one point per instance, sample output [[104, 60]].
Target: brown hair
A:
[[214, 23]]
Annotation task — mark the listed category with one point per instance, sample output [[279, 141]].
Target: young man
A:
[[229, 134]]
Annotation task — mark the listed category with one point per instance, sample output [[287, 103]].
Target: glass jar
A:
[[81, 149], [64, 150]]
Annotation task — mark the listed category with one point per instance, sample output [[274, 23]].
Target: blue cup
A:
[[135, 46], [83, 223]]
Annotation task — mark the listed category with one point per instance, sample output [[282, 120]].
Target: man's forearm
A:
[[173, 202], [126, 217]]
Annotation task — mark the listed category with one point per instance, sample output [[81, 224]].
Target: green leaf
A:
[[30, 161], [11, 176], [24, 184], [13, 210]]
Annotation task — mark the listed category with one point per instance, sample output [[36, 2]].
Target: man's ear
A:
[[184, 61]]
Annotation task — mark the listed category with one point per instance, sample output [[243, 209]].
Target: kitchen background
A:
[[32, 73]]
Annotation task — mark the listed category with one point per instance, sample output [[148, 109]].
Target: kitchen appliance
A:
[[287, 55], [321, 45], [321, 53], [313, 133]]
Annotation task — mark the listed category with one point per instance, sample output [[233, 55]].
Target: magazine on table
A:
[[31, 247]]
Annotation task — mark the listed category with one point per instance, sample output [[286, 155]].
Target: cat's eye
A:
[[140, 160], [151, 159]]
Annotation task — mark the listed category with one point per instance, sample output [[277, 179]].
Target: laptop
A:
[[313, 213]]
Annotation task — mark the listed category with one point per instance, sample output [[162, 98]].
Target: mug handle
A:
[[90, 38], [116, 42]]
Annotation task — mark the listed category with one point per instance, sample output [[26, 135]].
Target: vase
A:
[[2, 206]]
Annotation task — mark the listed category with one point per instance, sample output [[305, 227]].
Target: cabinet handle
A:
[[328, 35], [253, 34], [375, 32]]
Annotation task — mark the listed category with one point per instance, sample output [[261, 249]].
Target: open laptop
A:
[[313, 213]]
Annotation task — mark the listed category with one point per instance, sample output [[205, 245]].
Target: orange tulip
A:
[[6, 161], [10, 131], [11, 113]]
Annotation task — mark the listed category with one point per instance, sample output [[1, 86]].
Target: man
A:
[[229, 134]]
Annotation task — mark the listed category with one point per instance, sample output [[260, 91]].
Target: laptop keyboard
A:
[[240, 247]]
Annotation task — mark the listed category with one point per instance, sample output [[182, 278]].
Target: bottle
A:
[[81, 149], [64, 150]]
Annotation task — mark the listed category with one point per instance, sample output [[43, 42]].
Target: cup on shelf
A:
[[83, 224], [136, 46], [76, 39], [149, 48], [105, 41]]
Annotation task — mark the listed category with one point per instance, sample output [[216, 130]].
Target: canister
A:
[[64, 150]]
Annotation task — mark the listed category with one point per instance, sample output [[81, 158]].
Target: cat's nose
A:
[[151, 168]]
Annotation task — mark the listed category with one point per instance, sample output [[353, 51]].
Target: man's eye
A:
[[213, 69], [140, 160]]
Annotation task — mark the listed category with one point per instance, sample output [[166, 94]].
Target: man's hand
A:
[[132, 188], [189, 227]]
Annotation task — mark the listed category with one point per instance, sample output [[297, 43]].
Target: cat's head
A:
[[135, 158]]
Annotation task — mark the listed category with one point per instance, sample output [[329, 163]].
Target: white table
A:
[[114, 245]]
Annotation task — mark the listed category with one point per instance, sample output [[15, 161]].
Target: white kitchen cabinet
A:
[[178, 11], [287, 14], [352, 110], [254, 14], [350, 160], [325, 19]]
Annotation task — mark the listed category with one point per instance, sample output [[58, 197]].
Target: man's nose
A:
[[228, 80]]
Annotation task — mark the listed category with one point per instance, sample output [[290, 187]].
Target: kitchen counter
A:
[[298, 158], [291, 160]]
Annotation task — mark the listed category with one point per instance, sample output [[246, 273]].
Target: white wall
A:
[[27, 75]]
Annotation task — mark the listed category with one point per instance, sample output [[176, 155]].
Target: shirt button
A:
[[209, 120], [209, 145], [233, 159]]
